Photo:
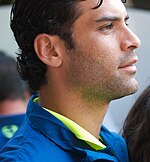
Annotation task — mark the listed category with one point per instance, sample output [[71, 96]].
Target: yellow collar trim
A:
[[78, 131]]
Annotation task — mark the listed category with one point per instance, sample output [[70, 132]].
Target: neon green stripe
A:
[[79, 132]]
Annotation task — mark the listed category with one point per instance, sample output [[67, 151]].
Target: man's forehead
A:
[[109, 9], [98, 2], [95, 4]]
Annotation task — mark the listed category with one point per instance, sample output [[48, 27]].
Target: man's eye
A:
[[106, 28], [110, 26]]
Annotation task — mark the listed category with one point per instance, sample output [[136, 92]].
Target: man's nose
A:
[[130, 40]]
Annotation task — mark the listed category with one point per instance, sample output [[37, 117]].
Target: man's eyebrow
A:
[[110, 18]]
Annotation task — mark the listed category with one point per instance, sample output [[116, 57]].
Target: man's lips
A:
[[129, 66], [129, 63]]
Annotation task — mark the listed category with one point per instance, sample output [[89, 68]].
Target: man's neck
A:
[[11, 107], [87, 114]]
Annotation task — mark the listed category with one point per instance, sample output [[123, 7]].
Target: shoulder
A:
[[8, 126], [31, 144], [25, 143], [111, 136], [116, 142]]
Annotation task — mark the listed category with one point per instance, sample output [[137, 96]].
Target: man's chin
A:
[[127, 92], [131, 88]]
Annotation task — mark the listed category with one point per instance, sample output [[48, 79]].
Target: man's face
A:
[[102, 62]]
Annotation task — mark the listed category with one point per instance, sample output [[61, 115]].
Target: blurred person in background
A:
[[14, 95], [136, 129]]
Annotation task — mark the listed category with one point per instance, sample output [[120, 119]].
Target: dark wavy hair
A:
[[136, 129], [32, 17]]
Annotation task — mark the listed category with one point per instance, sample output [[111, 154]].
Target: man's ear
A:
[[46, 47]]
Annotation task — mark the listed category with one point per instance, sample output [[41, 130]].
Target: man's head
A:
[[33, 17], [11, 85], [88, 39]]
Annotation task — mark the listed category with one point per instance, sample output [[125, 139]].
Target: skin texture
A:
[[113, 46], [82, 81]]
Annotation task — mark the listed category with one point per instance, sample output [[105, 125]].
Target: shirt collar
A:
[[77, 130]]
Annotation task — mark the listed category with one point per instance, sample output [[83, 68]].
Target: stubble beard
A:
[[88, 78]]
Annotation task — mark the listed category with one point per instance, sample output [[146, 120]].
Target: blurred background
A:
[[139, 12]]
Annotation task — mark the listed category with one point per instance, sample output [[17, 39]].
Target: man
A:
[[14, 94], [78, 55]]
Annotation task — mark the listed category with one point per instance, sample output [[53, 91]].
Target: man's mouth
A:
[[130, 65]]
